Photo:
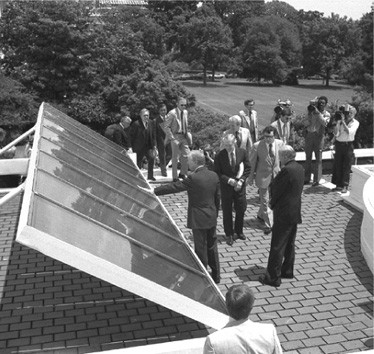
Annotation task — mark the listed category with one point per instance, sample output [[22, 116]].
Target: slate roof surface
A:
[[50, 307]]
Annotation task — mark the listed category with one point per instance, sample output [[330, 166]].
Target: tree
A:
[[45, 46], [18, 108], [237, 15], [205, 40], [327, 41], [271, 50]]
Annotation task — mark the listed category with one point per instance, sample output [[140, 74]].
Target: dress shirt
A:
[[341, 134]]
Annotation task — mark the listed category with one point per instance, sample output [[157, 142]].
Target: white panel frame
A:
[[103, 269]]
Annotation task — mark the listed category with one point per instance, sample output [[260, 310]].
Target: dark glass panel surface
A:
[[99, 241], [148, 230]]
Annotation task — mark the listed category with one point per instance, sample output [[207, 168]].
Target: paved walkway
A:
[[49, 307]]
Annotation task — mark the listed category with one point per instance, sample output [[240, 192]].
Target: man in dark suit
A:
[[202, 187], [120, 132], [232, 166], [163, 144], [285, 201], [143, 141]]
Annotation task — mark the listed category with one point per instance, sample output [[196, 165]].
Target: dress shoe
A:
[[229, 240], [240, 237], [181, 176], [315, 184], [337, 189], [262, 279], [344, 190], [164, 174], [151, 179], [175, 180], [267, 230], [259, 218]]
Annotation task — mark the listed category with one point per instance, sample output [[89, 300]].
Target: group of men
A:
[[244, 160], [166, 135]]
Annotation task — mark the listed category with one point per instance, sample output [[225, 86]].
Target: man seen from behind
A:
[[241, 335]]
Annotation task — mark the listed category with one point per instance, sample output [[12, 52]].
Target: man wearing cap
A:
[[345, 132]]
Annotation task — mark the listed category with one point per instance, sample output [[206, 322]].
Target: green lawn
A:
[[227, 96]]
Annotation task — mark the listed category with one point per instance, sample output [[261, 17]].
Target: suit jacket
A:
[[142, 138], [122, 136], [244, 336], [246, 122], [245, 138], [160, 130], [223, 168], [285, 193], [262, 168], [290, 137], [202, 187], [173, 123]]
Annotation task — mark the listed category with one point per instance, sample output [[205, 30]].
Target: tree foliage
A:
[[271, 49], [205, 40]]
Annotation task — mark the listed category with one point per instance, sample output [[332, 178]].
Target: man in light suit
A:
[[264, 162], [241, 335], [242, 135], [249, 119], [285, 201], [176, 129], [202, 187], [143, 141], [163, 145], [228, 164], [284, 128]]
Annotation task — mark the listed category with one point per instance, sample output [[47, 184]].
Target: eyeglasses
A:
[[183, 105], [268, 136]]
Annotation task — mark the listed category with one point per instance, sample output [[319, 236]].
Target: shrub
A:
[[206, 127]]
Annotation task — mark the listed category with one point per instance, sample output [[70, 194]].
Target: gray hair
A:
[[235, 119], [126, 120], [286, 153], [197, 157]]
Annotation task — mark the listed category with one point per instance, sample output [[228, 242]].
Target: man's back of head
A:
[[239, 301]]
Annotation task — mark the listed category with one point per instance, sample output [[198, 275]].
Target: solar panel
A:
[[87, 204]]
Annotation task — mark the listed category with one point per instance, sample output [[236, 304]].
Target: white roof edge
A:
[[118, 276], [187, 346]]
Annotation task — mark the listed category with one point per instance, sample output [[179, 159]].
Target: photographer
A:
[[314, 124], [345, 131]]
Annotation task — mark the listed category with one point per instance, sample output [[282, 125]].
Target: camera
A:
[[312, 105], [278, 109]]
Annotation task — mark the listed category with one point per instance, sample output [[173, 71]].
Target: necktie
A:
[[182, 123], [232, 157], [238, 140], [285, 132], [271, 151]]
